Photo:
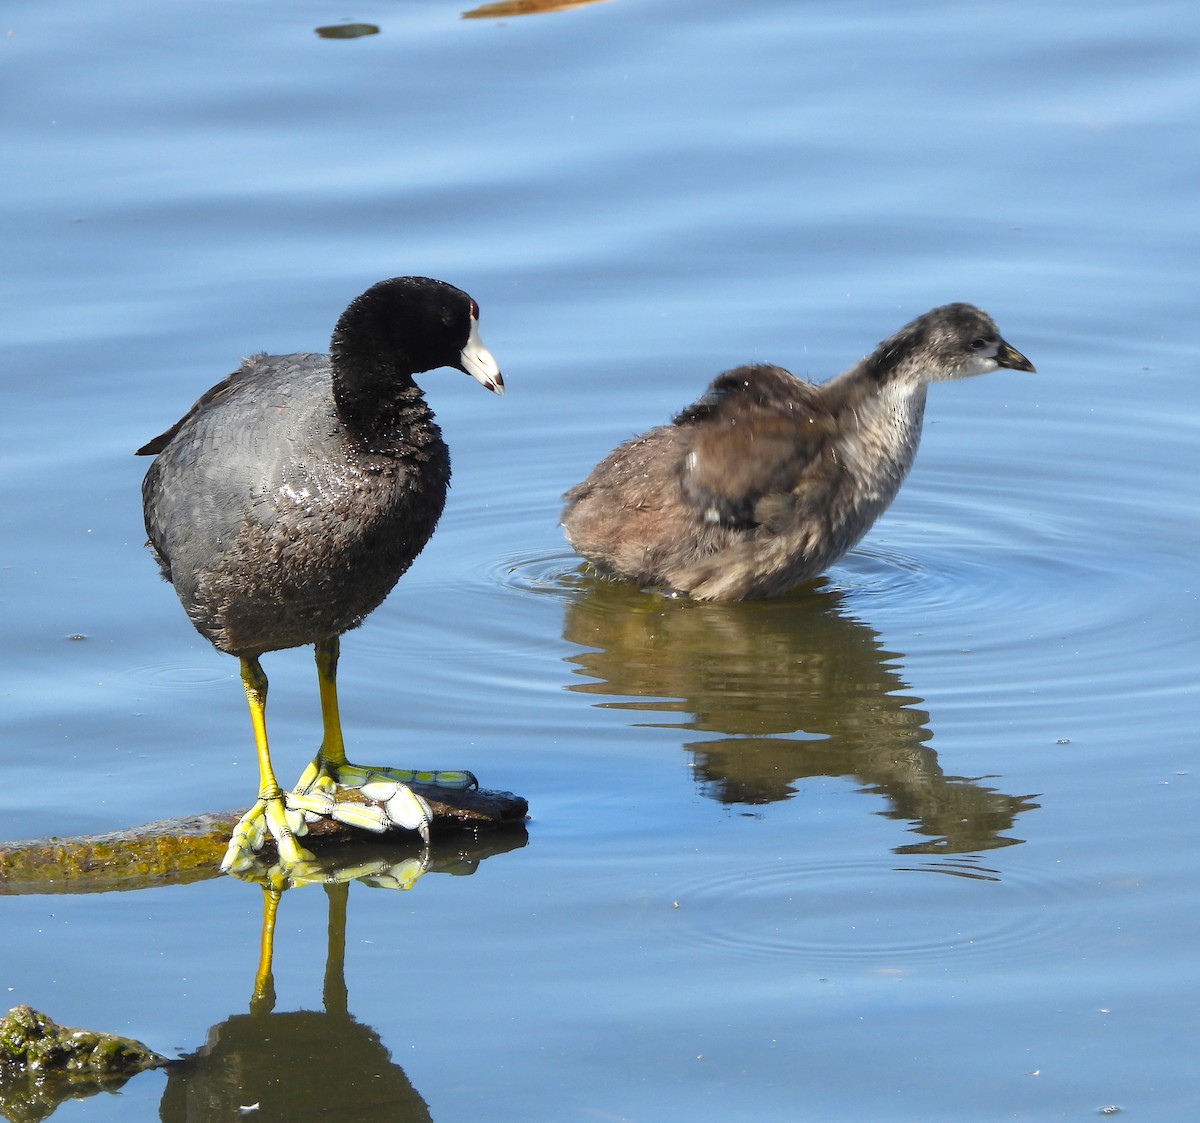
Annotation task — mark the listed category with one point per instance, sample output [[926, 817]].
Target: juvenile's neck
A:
[[879, 432]]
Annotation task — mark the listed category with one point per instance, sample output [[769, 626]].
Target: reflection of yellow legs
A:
[[269, 812], [262, 1001], [334, 992], [330, 771]]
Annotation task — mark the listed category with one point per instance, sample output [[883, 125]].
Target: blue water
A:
[[724, 908]]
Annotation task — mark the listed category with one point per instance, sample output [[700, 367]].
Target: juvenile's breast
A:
[[878, 440]]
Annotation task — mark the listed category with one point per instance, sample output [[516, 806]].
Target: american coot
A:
[[289, 500], [768, 479]]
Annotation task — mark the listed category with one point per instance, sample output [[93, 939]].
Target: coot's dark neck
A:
[[374, 390], [397, 328]]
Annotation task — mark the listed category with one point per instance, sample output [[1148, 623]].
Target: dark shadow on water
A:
[[797, 689]]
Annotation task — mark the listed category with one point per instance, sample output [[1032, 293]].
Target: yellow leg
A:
[[269, 810], [330, 771], [333, 748], [254, 682]]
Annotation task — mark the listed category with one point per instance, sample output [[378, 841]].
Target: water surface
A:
[[724, 906]]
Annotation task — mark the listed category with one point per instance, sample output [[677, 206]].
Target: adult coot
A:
[[768, 479], [289, 500]]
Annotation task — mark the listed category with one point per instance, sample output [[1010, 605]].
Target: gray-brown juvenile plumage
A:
[[768, 479]]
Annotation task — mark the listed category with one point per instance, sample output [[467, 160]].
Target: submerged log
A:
[[190, 848]]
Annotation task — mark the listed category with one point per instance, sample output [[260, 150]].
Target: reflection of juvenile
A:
[[295, 1066], [799, 688]]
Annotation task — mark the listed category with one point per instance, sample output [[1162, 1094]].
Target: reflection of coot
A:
[[798, 688], [293, 1067], [297, 1066]]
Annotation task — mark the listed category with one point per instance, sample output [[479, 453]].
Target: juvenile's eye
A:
[[977, 344]]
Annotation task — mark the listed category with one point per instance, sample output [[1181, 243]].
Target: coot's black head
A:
[[407, 325], [953, 341]]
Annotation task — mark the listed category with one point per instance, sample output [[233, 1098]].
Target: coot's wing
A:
[[210, 397]]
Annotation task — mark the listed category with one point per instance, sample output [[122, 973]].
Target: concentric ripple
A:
[[557, 571], [999, 579], [171, 675], [865, 915]]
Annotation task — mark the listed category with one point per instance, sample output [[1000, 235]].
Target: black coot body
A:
[[293, 495]]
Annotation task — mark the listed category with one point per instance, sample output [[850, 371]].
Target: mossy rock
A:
[[42, 1064]]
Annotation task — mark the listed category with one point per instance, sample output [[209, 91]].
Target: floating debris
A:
[[347, 30], [505, 8]]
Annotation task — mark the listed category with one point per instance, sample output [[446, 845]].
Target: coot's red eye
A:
[[474, 310]]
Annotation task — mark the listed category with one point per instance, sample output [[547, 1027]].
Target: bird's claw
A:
[[270, 814], [393, 805]]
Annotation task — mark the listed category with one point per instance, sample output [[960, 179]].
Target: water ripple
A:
[[171, 675], [557, 571], [850, 914]]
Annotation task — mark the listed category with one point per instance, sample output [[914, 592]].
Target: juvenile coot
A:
[[289, 500], [768, 479]]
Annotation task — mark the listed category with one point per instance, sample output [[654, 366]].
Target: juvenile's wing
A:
[[756, 434]]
